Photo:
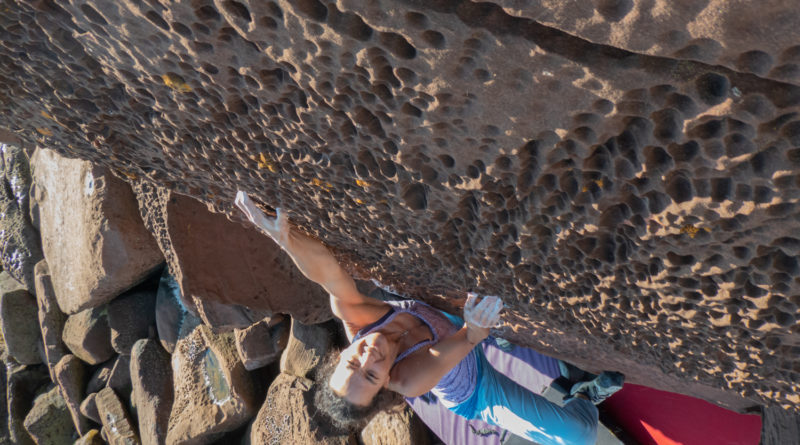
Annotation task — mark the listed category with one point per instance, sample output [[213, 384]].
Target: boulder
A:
[[51, 319], [88, 408], [91, 438], [306, 348], [23, 339], [130, 318], [92, 234], [22, 383], [49, 421], [287, 417], [151, 377], [220, 262], [117, 423], [99, 379], [262, 343], [19, 240], [213, 390], [173, 319], [70, 375], [396, 426], [88, 336], [120, 378]]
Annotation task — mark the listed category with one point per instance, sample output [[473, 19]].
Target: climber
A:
[[407, 347]]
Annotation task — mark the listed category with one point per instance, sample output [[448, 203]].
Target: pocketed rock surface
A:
[[623, 173]]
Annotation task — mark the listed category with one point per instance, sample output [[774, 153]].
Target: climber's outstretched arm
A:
[[317, 263]]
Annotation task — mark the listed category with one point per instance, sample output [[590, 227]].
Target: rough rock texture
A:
[[119, 379], [131, 316], [287, 416], [238, 276], [117, 425], [629, 186], [396, 427], [70, 375], [173, 319], [306, 348], [88, 408], [99, 379], [262, 343], [22, 384], [51, 319], [49, 421], [151, 377], [95, 245], [20, 248], [213, 391], [87, 335], [18, 310]]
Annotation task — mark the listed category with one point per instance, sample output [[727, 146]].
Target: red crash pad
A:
[[654, 417]]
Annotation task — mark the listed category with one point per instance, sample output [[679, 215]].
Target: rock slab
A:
[[49, 421], [51, 319], [88, 336], [18, 310], [117, 424], [151, 377], [92, 235]]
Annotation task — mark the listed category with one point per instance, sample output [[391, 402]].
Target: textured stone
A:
[[70, 375], [131, 316], [117, 424], [151, 376], [230, 275], [286, 417], [173, 320], [92, 235], [88, 408], [19, 240], [306, 348], [51, 319], [622, 173], [401, 426], [213, 391], [262, 343], [119, 379], [87, 335], [22, 384], [23, 338], [49, 421], [99, 379]]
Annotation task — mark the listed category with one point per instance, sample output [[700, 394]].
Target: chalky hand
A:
[[277, 228], [480, 316]]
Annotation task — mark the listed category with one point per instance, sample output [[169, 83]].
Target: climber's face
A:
[[363, 368]]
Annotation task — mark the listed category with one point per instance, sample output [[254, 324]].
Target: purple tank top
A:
[[457, 385]]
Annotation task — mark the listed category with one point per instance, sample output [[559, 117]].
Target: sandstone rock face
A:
[[87, 335], [131, 316], [51, 319], [70, 375], [151, 377], [88, 408], [49, 421], [213, 391], [285, 417], [23, 339], [622, 173], [173, 320], [238, 276], [262, 343], [21, 386], [92, 235], [117, 425], [306, 348], [394, 427], [19, 241]]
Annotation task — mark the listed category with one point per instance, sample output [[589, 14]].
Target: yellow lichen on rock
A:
[[176, 82]]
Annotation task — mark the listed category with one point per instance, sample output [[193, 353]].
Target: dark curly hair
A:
[[345, 415]]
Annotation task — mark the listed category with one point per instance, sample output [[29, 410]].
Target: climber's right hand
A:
[[277, 228]]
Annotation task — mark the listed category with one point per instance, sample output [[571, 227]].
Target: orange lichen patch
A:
[[359, 202], [693, 230], [176, 82], [321, 184], [362, 183], [130, 175], [599, 183], [265, 162], [44, 131]]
